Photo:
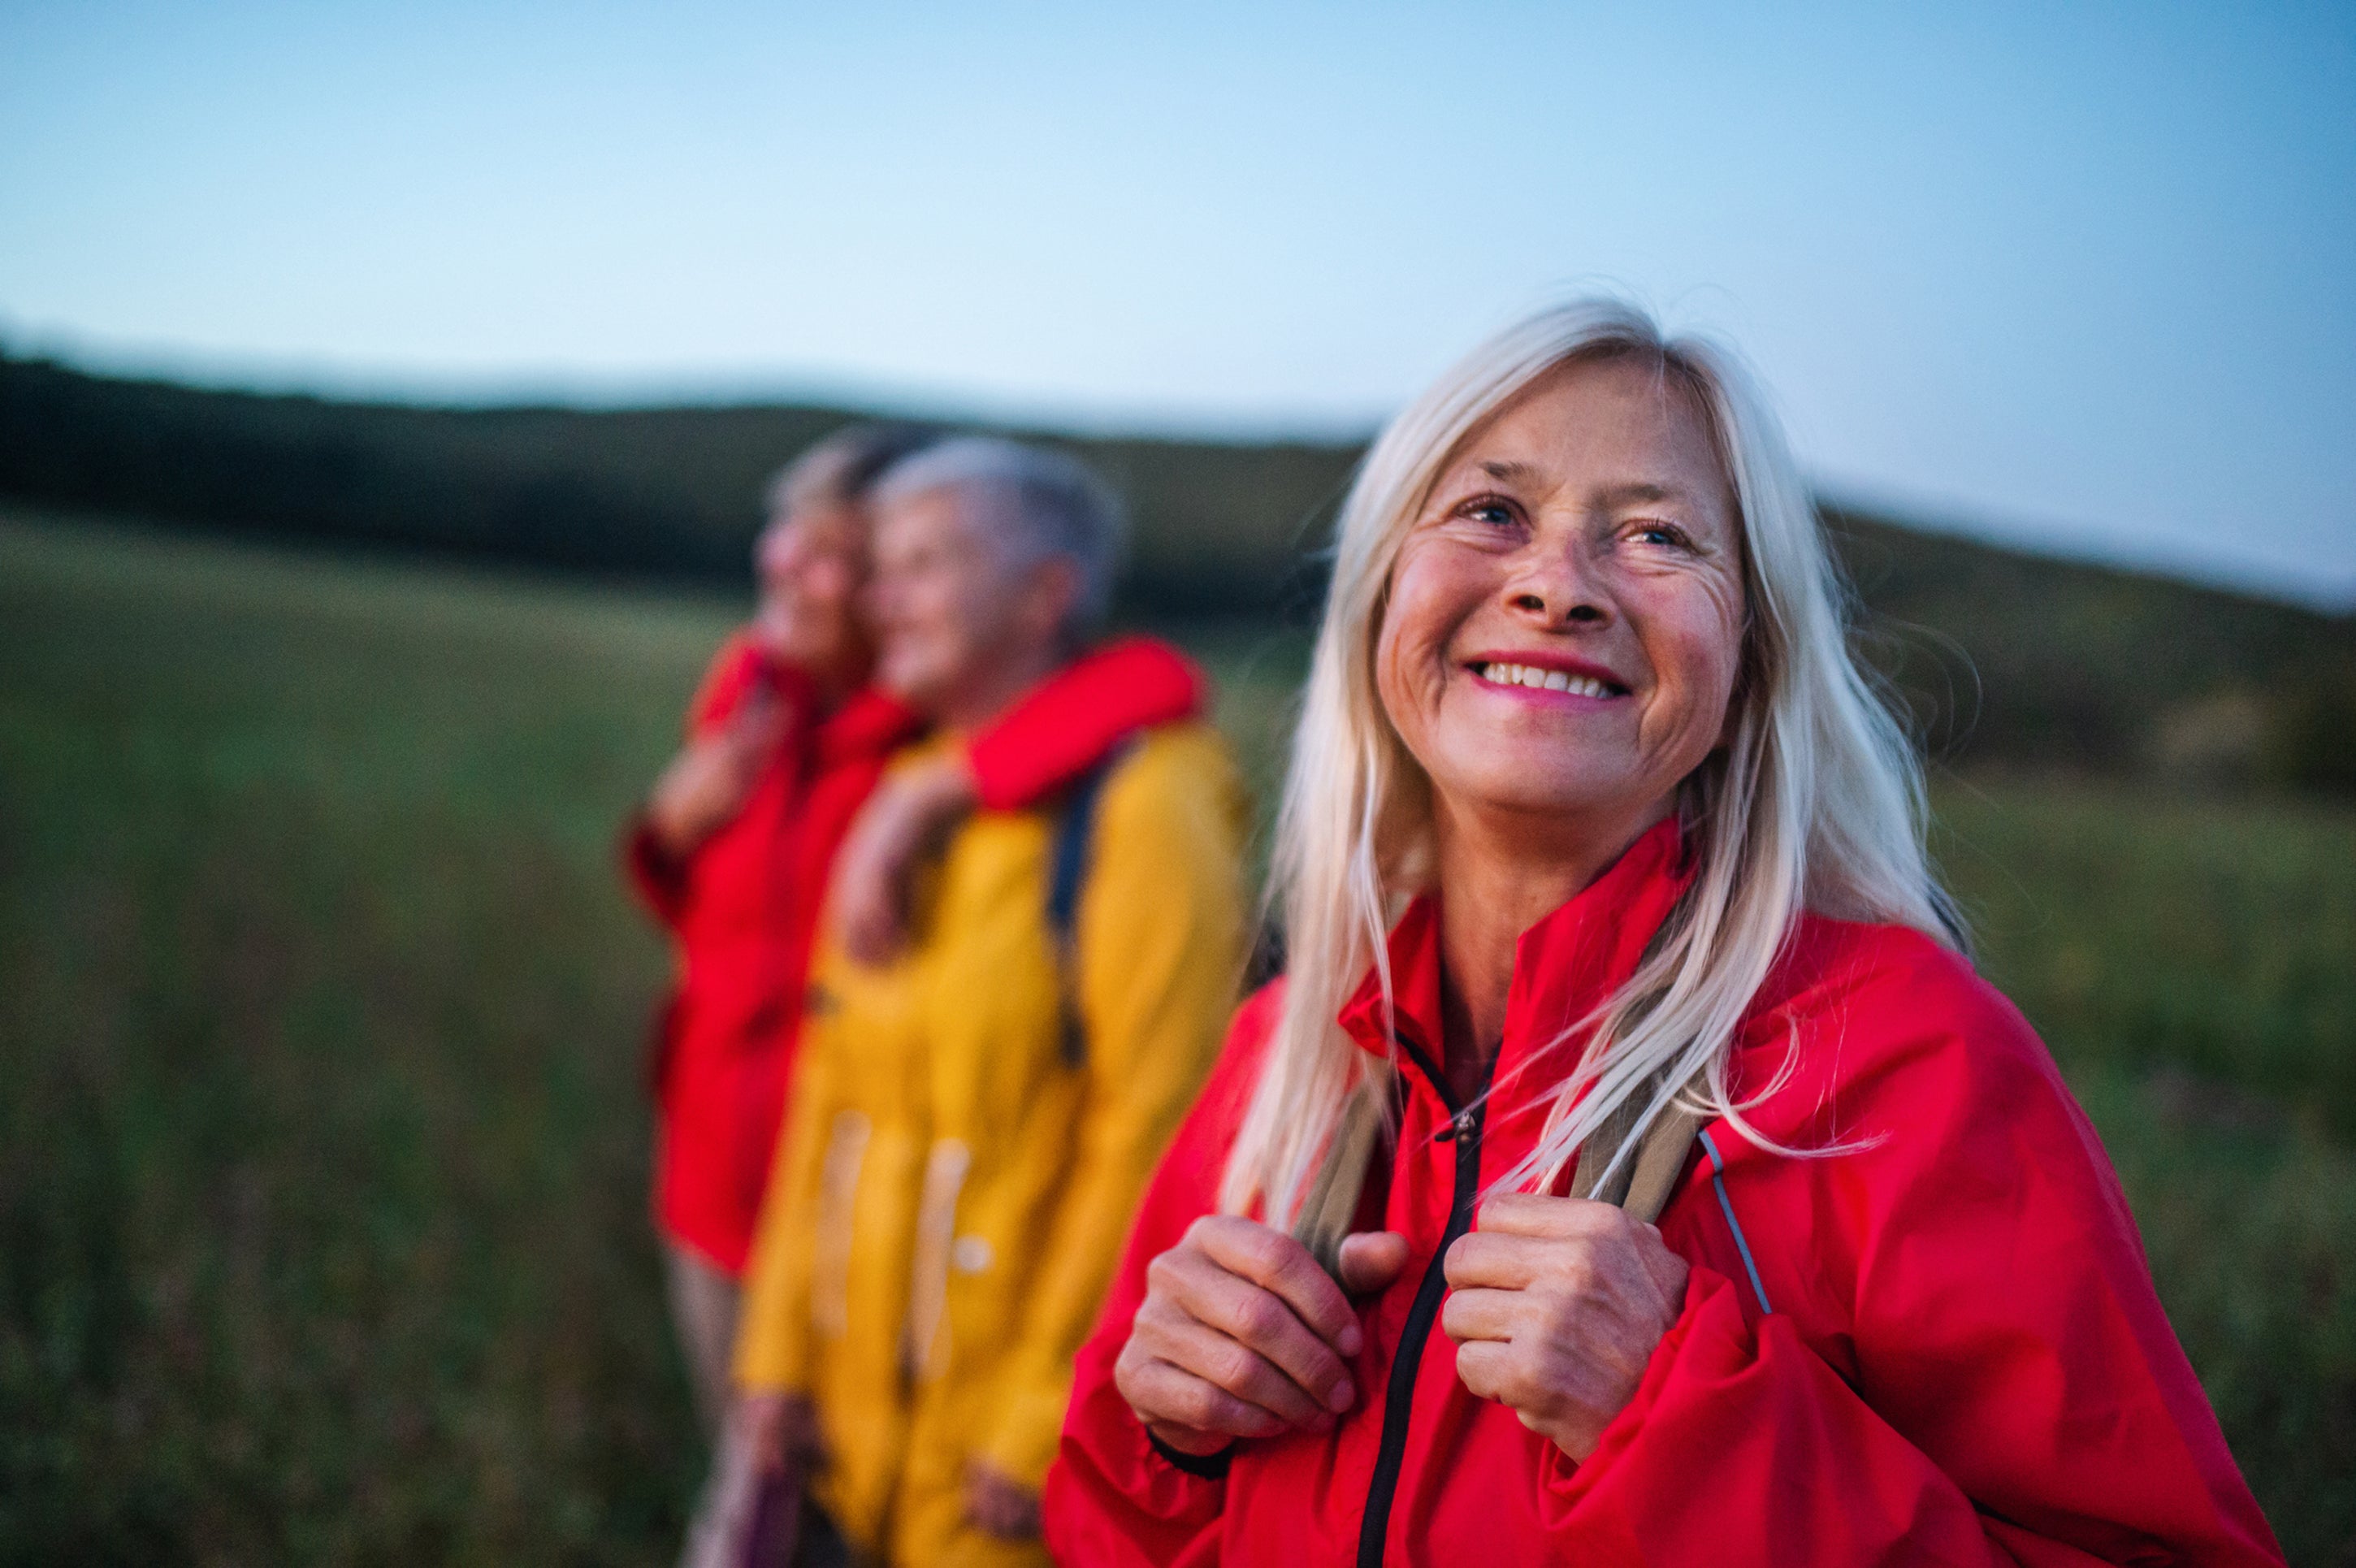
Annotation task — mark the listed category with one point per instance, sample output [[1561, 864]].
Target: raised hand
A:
[[1556, 1305], [906, 817], [710, 780], [1242, 1335]]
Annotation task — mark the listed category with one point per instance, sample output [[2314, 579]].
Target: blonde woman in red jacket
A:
[[1680, 1193]]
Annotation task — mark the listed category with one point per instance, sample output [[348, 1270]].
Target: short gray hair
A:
[[1042, 504], [838, 469]]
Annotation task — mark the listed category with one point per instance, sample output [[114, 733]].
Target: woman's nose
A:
[[1557, 588]]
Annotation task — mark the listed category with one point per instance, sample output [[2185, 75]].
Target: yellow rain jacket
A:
[[960, 1164]]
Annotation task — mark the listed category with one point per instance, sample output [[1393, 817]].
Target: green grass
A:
[[2216, 936], [322, 1140], [322, 1150], [2192, 964]]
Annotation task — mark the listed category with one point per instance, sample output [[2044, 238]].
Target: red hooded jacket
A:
[[744, 908], [1965, 1360]]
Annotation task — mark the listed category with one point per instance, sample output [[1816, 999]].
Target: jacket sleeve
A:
[[773, 1324], [1111, 1498], [1071, 721], [2013, 1392], [1160, 938]]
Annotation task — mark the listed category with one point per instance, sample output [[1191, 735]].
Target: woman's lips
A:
[[1521, 677]]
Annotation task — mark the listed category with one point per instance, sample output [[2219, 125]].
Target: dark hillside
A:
[[668, 492], [2004, 656], [2035, 661]]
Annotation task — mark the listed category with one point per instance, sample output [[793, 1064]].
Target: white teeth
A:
[[1543, 680]]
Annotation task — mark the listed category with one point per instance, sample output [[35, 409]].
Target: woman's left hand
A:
[[1556, 1305]]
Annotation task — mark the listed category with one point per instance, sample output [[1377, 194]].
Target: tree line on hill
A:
[[2001, 657]]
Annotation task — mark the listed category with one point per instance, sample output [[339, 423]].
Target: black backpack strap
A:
[[1067, 873]]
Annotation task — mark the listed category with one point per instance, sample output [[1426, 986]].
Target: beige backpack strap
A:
[[1333, 1200], [1641, 1186], [1644, 1180]]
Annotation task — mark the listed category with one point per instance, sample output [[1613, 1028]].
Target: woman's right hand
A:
[[1242, 1335], [709, 782]]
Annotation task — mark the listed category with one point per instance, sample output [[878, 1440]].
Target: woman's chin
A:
[[1501, 791]]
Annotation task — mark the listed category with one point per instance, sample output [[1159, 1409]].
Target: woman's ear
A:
[[1050, 591]]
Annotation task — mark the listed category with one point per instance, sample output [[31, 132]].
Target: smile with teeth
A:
[[1531, 675]]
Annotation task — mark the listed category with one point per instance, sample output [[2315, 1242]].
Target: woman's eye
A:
[[1493, 512], [1662, 533]]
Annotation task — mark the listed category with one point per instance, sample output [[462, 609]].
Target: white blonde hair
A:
[[1815, 802]]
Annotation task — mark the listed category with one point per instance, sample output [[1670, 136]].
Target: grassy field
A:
[[322, 1142]]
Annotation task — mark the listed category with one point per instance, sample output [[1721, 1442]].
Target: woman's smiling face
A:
[[1565, 619]]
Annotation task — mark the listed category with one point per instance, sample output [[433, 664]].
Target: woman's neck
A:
[[1500, 874]]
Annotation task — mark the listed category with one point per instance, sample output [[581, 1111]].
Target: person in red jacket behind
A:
[[1629, 1167], [734, 848]]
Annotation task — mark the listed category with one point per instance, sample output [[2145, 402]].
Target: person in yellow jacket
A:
[[973, 1121]]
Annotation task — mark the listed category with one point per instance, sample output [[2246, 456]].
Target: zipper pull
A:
[[1460, 1128]]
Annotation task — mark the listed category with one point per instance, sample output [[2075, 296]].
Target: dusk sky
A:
[[2084, 280]]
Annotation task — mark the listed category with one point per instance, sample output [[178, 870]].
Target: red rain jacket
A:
[[744, 907], [1965, 1362]]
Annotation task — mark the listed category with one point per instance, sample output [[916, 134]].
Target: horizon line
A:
[[2089, 543]]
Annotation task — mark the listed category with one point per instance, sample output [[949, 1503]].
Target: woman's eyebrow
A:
[[1505, 469], [1641, 490]]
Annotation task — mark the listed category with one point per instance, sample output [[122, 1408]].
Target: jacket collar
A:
[[1563, 966]]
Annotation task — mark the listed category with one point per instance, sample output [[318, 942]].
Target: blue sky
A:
[[2082, 278]]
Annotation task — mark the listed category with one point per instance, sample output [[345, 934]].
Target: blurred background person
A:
[[1583, 703], [973, 1120], [732, 848]]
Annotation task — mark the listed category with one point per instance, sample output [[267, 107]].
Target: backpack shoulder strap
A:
[[1324, 1216], [1641, 1186], [1644, 1181], [1067, 873]]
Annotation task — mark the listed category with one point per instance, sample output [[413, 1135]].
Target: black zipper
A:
[[1398, 1403]]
